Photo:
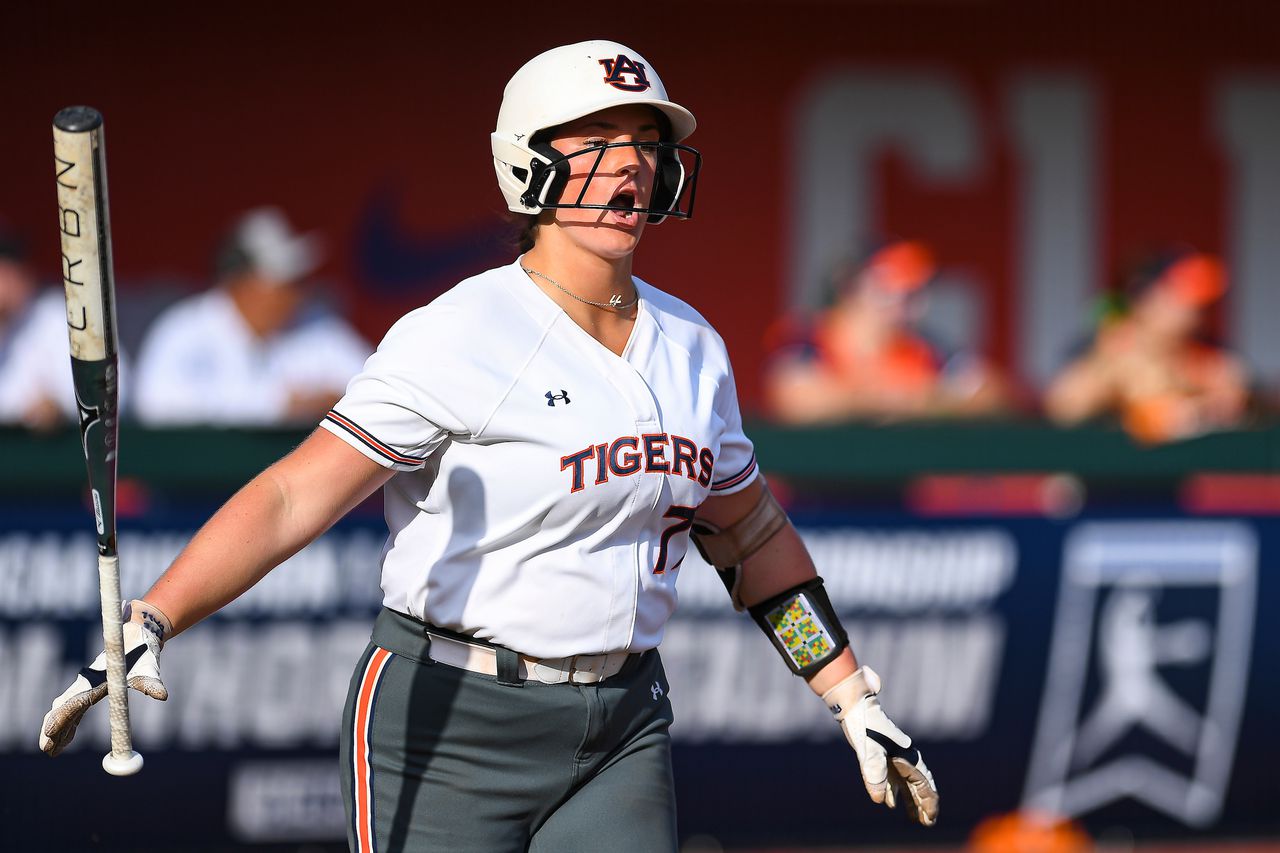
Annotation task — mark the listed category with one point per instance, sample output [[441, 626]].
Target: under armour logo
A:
[[620, 65], [656, 689], [563, 395]]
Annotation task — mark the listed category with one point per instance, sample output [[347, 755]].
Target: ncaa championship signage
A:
[[1105, 669]]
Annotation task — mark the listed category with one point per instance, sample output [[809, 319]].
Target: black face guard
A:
[[675, 179]]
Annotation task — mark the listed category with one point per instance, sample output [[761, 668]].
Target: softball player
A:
[[549, 436]]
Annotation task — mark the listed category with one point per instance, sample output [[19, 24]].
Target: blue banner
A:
[[1112, 669]]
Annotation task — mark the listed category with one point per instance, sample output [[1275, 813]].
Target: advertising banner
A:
[[1110, 669]]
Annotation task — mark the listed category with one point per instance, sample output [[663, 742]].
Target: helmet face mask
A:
[[571, 82], [674, 182]]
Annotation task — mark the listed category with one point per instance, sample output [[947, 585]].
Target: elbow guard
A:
[[726, 549], [803, 626]]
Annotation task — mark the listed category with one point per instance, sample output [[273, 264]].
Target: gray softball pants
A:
[[436, 758]]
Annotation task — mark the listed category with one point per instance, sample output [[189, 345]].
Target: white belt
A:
[[578, 669]]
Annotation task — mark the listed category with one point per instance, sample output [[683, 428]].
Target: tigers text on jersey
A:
[[546, 485]]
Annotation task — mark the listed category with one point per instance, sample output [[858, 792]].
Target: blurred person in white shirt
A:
[[35, 355], [256, 349]]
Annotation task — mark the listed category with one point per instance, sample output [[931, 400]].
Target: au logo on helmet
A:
[[615, 68]]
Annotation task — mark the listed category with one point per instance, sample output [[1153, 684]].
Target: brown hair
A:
[[527, 231]]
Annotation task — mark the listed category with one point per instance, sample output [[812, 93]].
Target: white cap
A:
[[270, 246]]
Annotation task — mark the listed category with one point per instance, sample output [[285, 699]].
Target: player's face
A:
[[624, 178]]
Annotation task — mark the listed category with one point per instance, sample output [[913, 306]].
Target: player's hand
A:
[[891, 768], [145, 628]]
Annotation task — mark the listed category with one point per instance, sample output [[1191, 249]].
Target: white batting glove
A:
[[145, 628], [890, 765]]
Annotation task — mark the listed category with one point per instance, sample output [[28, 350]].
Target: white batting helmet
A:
[[567, 83]]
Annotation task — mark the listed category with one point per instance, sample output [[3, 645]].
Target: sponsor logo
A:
[[553, 398], [1147, 669]]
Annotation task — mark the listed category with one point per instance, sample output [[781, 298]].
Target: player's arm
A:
[[781, 563], [769, 573], [269, 520], [273, 517]]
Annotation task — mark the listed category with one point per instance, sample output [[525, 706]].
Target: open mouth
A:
[[624, 199]]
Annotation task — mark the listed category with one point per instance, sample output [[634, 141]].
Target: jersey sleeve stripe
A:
[[730, 482], [368, 440]]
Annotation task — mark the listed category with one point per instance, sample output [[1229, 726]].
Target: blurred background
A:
[[999, 281]]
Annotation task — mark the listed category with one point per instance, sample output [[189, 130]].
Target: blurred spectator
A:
[[1029, 832], [1146, 363], [35, 354], [865, 357], [256, 349]]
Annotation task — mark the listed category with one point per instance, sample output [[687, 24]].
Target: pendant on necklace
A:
[[615, 300]]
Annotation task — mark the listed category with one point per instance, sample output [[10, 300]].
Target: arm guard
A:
[[803, 626], [726, 549]]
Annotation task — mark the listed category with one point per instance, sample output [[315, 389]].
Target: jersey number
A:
[[683, 516]]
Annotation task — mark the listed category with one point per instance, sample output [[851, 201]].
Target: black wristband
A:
[[803, 626]]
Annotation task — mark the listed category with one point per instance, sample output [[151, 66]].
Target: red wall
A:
[[213, 110]]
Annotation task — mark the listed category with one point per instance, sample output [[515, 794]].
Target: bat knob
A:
[[77, 119], [122, 765]]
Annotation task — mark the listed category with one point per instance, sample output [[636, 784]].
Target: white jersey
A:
[[547, 485], [202, 363], [35, 361]]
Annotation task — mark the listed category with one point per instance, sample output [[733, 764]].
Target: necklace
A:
[[614, 303]]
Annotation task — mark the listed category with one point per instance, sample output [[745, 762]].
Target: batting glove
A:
[[890, 765], [145, 628]]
